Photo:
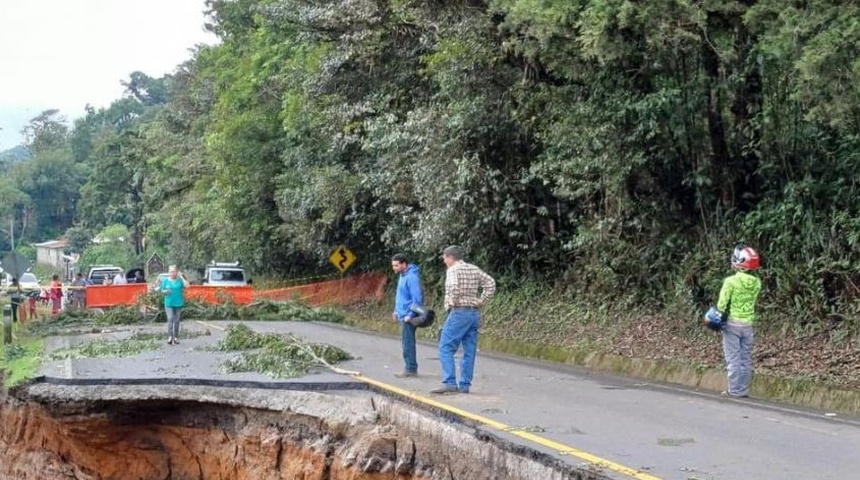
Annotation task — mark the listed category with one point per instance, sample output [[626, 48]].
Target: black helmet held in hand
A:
[[424, 318]]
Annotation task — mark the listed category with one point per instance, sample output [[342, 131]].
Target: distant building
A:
[[51, 254]]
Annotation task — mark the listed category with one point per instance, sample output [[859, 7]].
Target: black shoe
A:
[[406, 374], [445, 389]]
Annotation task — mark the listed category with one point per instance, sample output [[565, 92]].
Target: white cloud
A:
[[67, 53]]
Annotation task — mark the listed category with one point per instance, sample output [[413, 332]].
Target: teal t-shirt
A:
[[176, 297]]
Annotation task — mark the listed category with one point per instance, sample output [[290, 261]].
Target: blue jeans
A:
[[737, 347], [461, 326], [407, 340]]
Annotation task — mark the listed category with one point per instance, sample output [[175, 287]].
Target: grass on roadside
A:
[[21, 360]]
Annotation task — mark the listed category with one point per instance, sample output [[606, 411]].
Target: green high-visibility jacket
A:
[[739, 294]]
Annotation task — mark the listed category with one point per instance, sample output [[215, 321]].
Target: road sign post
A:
[[7, 324]]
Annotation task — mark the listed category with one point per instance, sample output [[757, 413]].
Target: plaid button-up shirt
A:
[[462, 282]]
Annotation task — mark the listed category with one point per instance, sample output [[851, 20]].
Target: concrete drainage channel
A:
[[187, 429]]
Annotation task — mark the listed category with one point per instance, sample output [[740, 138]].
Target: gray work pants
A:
[[737, 347], [173, 321]]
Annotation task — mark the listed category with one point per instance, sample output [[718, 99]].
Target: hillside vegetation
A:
[[603, 153]]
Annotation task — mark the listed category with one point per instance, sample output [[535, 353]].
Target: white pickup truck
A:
[[226, 274], [98, 273]]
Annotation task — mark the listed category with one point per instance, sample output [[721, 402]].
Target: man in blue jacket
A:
[[408, 296]]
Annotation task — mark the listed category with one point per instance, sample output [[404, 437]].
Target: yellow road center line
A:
[[209, 325], [561, 448]]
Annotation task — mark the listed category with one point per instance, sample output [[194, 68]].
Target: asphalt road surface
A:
[[664, 432]]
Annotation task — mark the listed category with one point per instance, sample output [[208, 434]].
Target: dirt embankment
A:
[[171, 432], [158, 439]]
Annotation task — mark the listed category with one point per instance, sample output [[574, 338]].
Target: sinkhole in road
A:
[[107, 432]]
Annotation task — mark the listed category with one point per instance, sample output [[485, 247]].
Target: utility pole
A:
[[12, 232]]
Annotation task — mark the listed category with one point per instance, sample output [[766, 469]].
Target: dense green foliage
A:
[[13, 156], [616, 148]]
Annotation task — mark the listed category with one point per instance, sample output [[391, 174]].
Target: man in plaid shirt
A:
[[463, 302]]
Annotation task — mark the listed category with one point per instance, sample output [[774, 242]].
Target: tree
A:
[[13, 203], [611, 146], [51, 181], [46, 131], [111, 246], [79, 239], [114, 143], [145, 89]]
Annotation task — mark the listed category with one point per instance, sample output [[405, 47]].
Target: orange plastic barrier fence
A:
[[334, 292], [215, 295], [100, 296]]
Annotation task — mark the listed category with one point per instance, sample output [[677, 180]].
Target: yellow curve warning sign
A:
[[342, 258]]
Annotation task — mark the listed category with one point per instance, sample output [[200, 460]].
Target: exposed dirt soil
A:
[[160, 440], [214, 433]]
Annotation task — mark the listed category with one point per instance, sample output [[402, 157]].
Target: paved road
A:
[[669, 433]]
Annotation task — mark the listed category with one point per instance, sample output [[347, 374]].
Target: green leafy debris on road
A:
[[150, 308], [274, 355], [104, 347], [262, 310], [76, 322], [674, 442]]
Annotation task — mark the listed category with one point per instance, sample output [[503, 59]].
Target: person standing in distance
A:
[[79, 293], [55, 293], [173, 288], [463, 302], [408, 295], [737, 302], [16, 299]]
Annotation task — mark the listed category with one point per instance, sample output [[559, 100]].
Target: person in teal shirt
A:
[[737, 303], [173, 288]]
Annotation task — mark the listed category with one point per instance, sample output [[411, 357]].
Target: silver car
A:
[[28, 281]]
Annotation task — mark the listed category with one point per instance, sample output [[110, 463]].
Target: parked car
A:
[[226, 274], [98, 273], [28, 281]]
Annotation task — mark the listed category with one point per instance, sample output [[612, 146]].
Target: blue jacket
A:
[[408, 292]]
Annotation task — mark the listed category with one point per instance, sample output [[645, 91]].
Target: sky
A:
[[65, 54]]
